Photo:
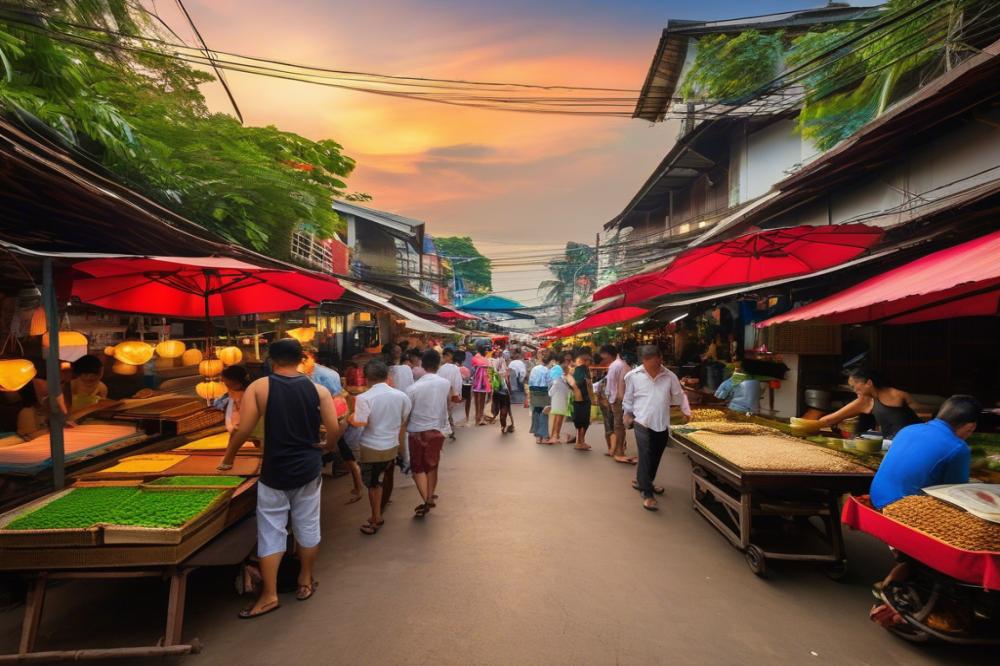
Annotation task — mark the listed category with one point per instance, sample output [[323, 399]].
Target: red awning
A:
[[961, 281], [606, 318], [197, 287], [756, 257]]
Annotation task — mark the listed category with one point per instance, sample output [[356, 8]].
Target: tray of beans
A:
[[774, 453], [945, 522]]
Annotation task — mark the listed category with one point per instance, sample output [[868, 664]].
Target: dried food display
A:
[[945, 522], [226, 481], [85, 507], [773, 452], [730, 428], [707, 414]]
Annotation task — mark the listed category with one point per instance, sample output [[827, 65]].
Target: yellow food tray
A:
[[217, 441], [144, 463]]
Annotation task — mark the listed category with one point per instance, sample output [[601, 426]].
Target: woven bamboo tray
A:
[[54, 538], [43, 559], [133, 535]]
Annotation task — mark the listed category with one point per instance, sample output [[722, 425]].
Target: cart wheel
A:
[[756, 560], [836, 570]]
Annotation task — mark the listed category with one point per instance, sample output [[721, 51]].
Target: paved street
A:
[[535, 555]]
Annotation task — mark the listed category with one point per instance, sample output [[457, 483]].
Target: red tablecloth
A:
[[976, 567]]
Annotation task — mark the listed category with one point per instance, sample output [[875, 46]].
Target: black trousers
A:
[[651, 444]]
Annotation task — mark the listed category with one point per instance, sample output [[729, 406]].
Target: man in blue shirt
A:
[[928, 454]]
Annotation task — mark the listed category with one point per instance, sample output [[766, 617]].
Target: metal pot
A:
[[819, 399]]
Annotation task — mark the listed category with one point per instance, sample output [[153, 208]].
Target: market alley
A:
[[535, 555]]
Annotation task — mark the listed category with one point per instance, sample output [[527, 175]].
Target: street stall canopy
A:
[[606, 318], [197, 287], [491, 303], [749, 259], [412, 321], [960, 281]]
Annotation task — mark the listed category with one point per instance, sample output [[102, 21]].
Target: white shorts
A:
[[273, 507]]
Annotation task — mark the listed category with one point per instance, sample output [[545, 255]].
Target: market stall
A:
[[760, 488]]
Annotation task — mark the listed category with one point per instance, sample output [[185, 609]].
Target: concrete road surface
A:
[[535, 555]]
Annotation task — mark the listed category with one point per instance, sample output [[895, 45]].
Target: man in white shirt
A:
[[381, 412], [400, 374], [518, 373], [650, 390], [450, 371], [430, 397]]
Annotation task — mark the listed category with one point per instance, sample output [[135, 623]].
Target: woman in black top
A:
[[890, 408], [583, 397]]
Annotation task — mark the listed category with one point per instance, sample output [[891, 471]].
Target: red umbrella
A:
[[196, 287], [454, 315], [760, 256], [605, 318]]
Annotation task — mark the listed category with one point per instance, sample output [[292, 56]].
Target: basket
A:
[[130, 534], [53, 538]]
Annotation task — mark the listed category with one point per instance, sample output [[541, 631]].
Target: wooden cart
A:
[[768, 514], [174, 562]]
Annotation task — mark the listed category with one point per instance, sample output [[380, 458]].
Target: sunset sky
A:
[[514, 182]]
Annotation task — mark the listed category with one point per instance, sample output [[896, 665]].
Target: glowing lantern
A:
[[229, 355], [170, 349], [109, 350], [72, 345], [38, 324], [210, 390], [120, 368], [133, 352], [303, 334], [341, 406], [192, 356], [210, 368], [364, 316], [65, 365], [15, 373]]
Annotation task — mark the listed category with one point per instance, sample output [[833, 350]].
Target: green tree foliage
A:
[[849, 84], [462, 256], [141, 114], [852, 88], [727, 67], [575, 275]]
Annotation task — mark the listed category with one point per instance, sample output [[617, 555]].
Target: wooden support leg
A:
[[33, 613], [175, 607], [746, 513]]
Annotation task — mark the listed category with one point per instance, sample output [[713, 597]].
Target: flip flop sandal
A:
[[310, 589], [626, 461], [421, 511], [432, 503], [650, 507], [353, 499], [369, 529], [248, 614]]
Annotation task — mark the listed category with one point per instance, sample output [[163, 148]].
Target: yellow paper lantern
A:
[[230, 355], [120, 368], [109, 350], [133, 352], [303, 334], [210, 368], [192, 356], [15, 373], [72, 345], [170, 349], [210, 390], [38, 324]]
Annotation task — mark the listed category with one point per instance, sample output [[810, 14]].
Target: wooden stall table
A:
[[229, 548], [741, 501]]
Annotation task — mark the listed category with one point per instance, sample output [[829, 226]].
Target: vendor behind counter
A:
[[877, 404]]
